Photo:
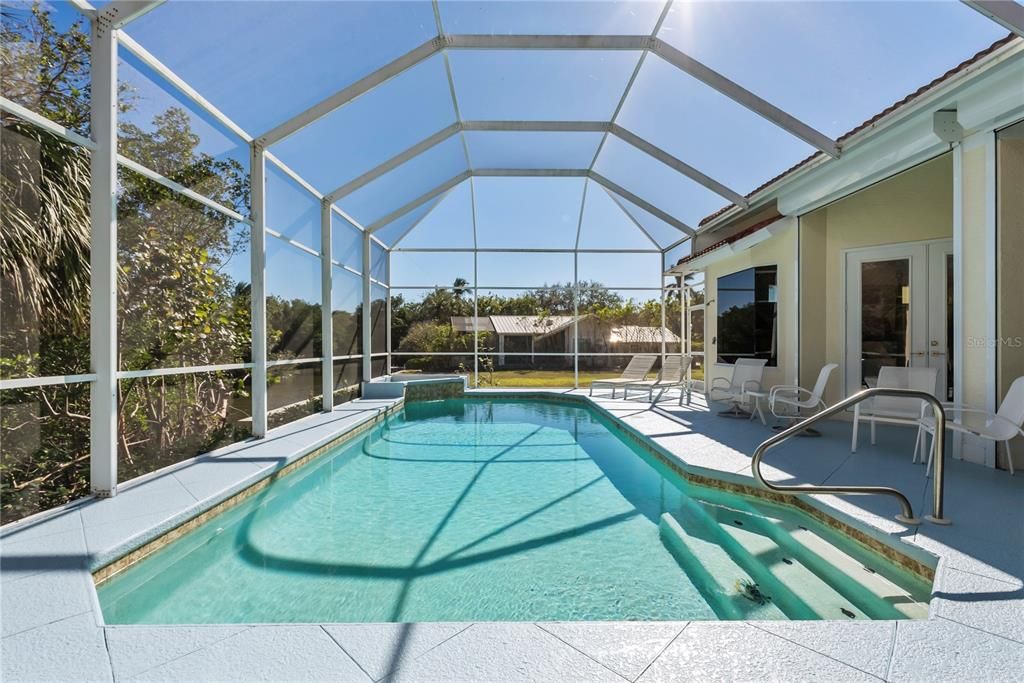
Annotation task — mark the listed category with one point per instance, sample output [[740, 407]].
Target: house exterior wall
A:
[[779, 250], [916, 205]]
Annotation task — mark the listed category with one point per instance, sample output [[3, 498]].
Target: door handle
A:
[[918, 353]]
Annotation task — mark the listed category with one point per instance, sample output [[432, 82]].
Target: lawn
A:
[[551, 378]]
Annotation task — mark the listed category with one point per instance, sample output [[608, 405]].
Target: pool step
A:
[[755, 560], [867, 593], [810, 590], [714, 573]]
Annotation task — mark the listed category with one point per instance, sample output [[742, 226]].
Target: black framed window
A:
[[747, 315]]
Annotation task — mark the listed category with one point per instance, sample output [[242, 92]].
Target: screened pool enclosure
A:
[[221, 217]]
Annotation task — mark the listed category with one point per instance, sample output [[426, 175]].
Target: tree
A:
[[179, 304]]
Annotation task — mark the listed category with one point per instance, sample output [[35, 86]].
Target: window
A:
[[747, 321]]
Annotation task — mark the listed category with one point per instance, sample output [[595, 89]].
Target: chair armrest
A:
[[789, 388], [716, 380], [751, 385]]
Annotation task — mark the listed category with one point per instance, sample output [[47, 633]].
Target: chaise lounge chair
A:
[[672, 374], [635, 371]]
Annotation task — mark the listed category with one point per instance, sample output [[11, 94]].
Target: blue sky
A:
[[832, 64]]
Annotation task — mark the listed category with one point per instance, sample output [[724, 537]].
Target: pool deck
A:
[[53, 629]]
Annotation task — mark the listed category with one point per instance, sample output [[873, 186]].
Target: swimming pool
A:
[[506, 510]]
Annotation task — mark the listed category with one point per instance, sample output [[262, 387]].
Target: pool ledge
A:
[[53, 628]]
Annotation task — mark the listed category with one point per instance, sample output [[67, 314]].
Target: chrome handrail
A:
[[908, 512]]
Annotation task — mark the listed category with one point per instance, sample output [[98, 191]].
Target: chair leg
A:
[[856, 428], [1009, 456], [872, 431], [917, 444]]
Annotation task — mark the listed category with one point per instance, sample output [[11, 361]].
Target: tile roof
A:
[[874, 119], [731, 238]]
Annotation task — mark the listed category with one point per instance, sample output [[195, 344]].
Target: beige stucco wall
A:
[[779, 250], [1010, 240], [916, 205]]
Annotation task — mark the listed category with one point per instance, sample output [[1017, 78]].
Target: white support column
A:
[[103, 434], [387, 315], [576, 316], [991, 289], [258, 251], [958, 291], [975, 282], [327, 308], [664, 348], [367, 317], [476, 324]]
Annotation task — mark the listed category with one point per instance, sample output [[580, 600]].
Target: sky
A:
[[830, 64]]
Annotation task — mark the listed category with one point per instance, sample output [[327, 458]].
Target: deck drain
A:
[[737, 522], [847, 612], [787, 560], [869, 570], [803, 527]]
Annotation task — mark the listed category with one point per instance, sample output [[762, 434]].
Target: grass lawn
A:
[[551, 378], [539, 378]]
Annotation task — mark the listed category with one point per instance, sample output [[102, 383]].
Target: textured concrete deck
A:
[[53, 630]]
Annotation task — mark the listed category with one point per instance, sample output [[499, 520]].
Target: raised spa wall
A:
[[415, 387]]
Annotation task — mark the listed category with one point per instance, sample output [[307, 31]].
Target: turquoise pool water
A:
[[471, 510]]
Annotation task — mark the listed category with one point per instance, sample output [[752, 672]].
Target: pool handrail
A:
[[907, 517]]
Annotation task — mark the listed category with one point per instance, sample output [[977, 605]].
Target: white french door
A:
[[899, 308]]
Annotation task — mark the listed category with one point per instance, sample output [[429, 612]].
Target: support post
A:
[[387, 314], [576, 316], [367, 330], [258, 251], [103, 436], [327, 307], [663, 342]]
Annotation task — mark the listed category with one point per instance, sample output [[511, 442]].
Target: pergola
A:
[[611, 160]]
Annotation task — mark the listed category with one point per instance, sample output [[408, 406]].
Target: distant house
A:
[[517, 338]]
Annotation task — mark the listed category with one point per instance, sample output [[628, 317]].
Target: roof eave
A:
[[864, 133]]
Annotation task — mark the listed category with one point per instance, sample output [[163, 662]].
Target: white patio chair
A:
[[636, 370], [788, 402], [746, 376], [894, 409], [1002, 425], [672, 374]]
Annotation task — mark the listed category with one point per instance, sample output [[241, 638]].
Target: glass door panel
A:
[[885, 316]]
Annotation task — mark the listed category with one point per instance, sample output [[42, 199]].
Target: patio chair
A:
[[746, 376], [1002, 425], [787, 402], [672, 374], [636, 370], [894, 409]]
